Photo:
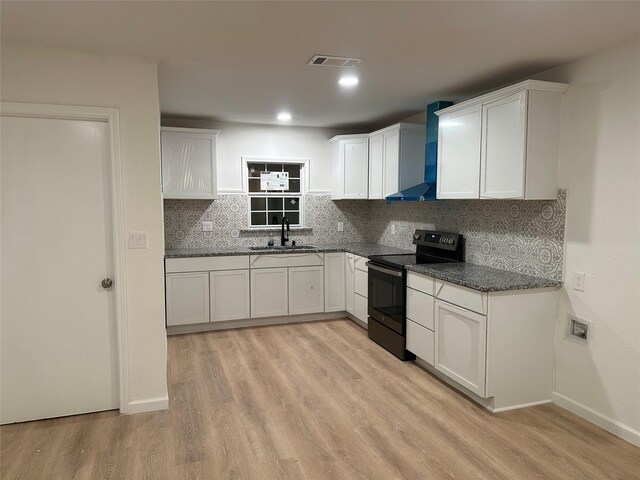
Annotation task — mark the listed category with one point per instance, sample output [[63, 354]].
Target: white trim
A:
[[231, 192], [319, 192], [254, 322], [148, 405], [603, 421], [522, 405], [191, 130], [110, 116]]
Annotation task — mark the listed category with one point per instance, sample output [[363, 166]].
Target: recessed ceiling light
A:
[[284, 116], [348, 81]]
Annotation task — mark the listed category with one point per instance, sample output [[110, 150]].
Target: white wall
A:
[[41, 75], [242, 139], [600, 167]]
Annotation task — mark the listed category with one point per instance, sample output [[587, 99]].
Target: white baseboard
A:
[[149, 405], [515, 407], [614, 426]]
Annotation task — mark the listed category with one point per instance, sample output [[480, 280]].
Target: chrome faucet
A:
[[284, 237]]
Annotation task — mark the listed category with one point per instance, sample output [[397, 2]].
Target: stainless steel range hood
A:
[[426, 190]]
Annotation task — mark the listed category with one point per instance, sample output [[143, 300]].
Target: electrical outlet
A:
[[578, 281], [580, 329], [341, 226], [207, 226], [138, 240]]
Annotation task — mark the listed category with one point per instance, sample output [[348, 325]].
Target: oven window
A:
[[386, 299]]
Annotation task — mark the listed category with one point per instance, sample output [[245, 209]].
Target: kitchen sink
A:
[[285, 248]]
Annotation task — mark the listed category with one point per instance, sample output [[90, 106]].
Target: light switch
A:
[[207, 226], [341, 226], [138, 240]]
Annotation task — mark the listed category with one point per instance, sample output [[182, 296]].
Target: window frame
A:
[[304, 182]]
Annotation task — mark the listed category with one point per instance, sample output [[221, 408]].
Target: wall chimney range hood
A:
[[425, 191]]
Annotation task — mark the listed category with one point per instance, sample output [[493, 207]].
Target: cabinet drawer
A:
[[462, 296], [420, 308], [421, 341], [361, 306], [206, 264], [361, 263], [420, 282], [286, 260], [362, 283]]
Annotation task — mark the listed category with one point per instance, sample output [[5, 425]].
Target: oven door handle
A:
[[388, 271]]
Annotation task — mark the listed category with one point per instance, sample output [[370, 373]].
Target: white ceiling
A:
[[244, 61]]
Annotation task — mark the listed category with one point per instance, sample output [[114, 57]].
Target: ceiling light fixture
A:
[[284, 116], [348, 81]]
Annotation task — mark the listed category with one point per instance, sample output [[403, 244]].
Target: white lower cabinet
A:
[[187, 298], [361, 306], [306, 290], [229, 295], [420, 341], [269, 292], [349, 283], [334, 286], [460, 348]]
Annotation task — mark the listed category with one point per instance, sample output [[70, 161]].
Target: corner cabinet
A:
[[501, 145], [189, 163], [349, 166]]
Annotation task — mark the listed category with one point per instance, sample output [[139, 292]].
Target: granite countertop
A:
[[361, 249], [479, 277]]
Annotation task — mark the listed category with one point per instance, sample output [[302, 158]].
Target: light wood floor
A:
[[316, 401]]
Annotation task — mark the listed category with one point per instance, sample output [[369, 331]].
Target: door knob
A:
[[107, 283]]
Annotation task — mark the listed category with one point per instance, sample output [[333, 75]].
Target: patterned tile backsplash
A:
[[519, 236]]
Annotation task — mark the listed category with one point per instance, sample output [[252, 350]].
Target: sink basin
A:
[[285, 248]]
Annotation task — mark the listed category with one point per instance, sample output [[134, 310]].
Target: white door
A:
[[356, 166], [461, 339], [334, 282], [459, 154], [349, 283], [187, 298], [306, 290], [504, 124], [229, 295], [59, 347], [269, 292], [375, 167], [392, 163]]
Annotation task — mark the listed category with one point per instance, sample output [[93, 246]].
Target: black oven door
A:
[[387, 296]]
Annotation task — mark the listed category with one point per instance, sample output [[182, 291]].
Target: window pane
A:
[[258, 203], [292, 203], [294, 218], [275, 203], [275, 218], [255, 169], [294, 186], [294, 170], [258, 218], [254, 185]]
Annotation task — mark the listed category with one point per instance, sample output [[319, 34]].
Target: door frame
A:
[[110, 117]]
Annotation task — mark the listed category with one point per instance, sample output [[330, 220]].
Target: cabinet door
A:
[[306, 290], [187, 298], [349, 283], [356, 167], [502, 161], [188, 165], [459, 153], [461, 338], [376, 154], [360, 308], [229, 295], [392, 163], [334, 289], [269, 292], [361, 283]]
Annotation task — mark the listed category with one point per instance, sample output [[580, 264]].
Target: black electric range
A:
[[388, 281]]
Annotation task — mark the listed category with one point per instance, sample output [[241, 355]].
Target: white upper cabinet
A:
[[502, 145], [189, 163], [396, 159], [349, 166], [459, 153]]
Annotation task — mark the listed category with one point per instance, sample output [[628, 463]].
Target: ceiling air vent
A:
[[333, 61]]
